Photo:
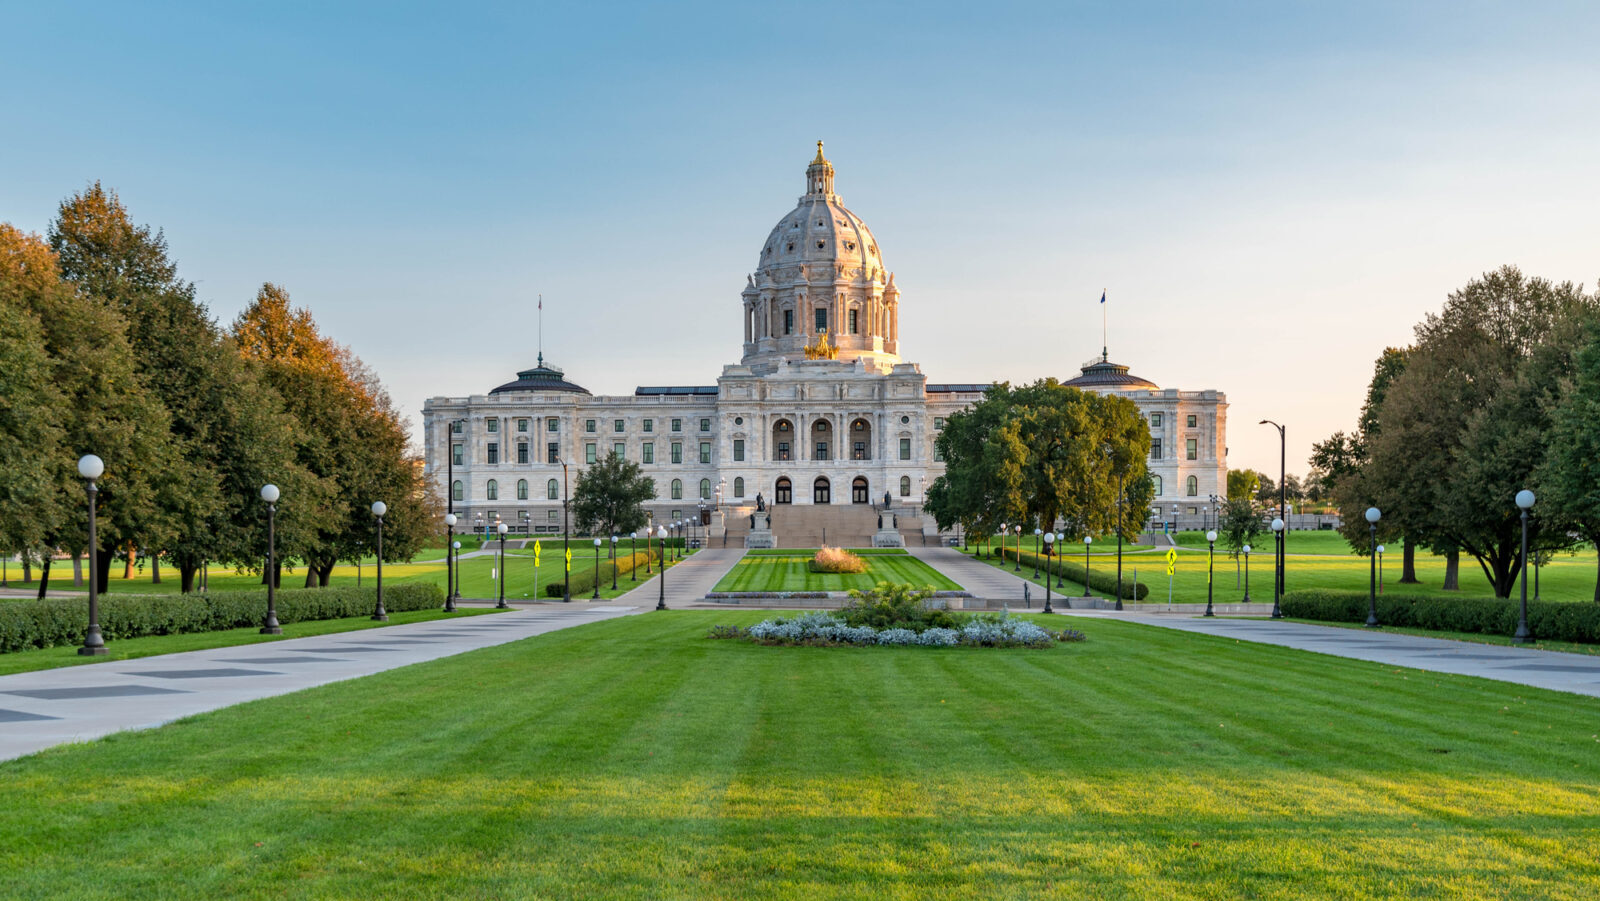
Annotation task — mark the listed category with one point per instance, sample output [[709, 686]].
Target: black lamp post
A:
[[1037, 535], [1211, 567], [1277, 574], [501, 529], [1018, 566], [1524, 635], [378, 509], [566, 540], [633, 548], [1119, 542], [91, 467], [449, 563], [1061, 549], [269, 625], [1049, 546], [661, 602], [596, 595], [1380, 568], [455, 590], [1004, 531], [1373, 515], [1247, 574], [613, 562], [1282, 563], [1087, 540]]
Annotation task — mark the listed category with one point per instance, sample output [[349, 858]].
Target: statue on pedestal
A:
[[761, 503]]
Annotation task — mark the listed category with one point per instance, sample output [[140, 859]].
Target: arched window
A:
[[705, 489], [905, 486], [738, 487], [552, 490], [1194, 486], [1155, 482], [457, 492], [493, 493], [677, 489], [522, 489]]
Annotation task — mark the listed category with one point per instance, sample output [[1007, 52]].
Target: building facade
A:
[[820, 409]]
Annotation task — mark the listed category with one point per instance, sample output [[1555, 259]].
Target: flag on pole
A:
[[1102, 295]]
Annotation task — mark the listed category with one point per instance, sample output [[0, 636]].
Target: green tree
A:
[[1568, 481], [30, 436], [608, 497], [984, 456], [1240, 523], [1244, 483]]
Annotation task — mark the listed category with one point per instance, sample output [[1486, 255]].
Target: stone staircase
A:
[[808, 525]]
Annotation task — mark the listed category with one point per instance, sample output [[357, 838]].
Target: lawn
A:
[[635, 759], [790, 572]]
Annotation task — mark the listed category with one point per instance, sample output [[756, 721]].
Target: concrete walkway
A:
[[688, 581], [982, 580], [79, 703]]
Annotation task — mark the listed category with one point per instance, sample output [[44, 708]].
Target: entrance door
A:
[[784, 493], [819, 491], [858, 491]]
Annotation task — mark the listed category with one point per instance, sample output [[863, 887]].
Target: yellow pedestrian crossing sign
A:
[[1172, 560], [538, 548], [569, 558]]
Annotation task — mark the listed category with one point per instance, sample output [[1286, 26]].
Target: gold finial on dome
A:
[[820, 158]]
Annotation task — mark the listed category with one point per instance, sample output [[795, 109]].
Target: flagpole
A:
[[1105, 353]]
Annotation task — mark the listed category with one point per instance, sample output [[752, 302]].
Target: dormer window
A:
[[790, 248], [821, 244]]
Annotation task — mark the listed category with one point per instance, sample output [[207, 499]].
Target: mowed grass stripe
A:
[[636, 759], [792, 573]]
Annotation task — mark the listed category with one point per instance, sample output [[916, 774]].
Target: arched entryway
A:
[[783, 493], [783, 438], [858, 491], [861, 440], [821, 440], [820, 493]]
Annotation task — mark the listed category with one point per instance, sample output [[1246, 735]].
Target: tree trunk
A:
[[1408, 566], [1452, 571], [77, 569], [186, 573], [155, 569], [127, 568], [44, 576], [324, 573], [27, 567], [311, 576]]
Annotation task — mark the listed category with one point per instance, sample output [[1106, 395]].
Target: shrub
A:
[[1552, 620], [583, 576], [50, 622], [824, 629], [891, 605], [837, 560], [1060, 566]]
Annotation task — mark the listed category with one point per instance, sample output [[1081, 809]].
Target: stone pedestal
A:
[[760, 532], [888, 534]]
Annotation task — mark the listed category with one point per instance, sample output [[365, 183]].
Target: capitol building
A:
[[821, 416]]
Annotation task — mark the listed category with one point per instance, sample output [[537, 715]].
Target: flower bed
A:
[[989, 630], [837, 560]]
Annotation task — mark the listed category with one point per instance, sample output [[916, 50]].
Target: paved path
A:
[[687, 582], [1576, 673], [981, 579], [79, 703]]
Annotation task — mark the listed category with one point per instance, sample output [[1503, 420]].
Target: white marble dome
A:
[[821, 231]]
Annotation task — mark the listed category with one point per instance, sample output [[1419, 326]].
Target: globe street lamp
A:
[[1049, 546], [613, 562], [502, 529], [1036, 535], [661, 602], [1018, 567], [455, 548], [269, 625], [378, 509], [449, 562], [1211, 567], [1277, 573], [1246, 574], [633, 548], [1283, 503], [91, 467], [1087, 540], [1524, 501], [1061, 544], [1373, 515], [1380, 569], [596, 595]]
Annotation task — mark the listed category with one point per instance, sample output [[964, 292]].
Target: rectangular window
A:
[[456, 454], [648, 454], [455, 427], [705, 452], [905, 448], [1155, 448], [1192, 420], [493, 425], [858, 450], [783, 450], [822, 451], [938, 455], [494, 452], [588, 425], [853, 319], [677, 514], [677, 452], [522, 425], [550, 424], [705, 425], [1191, 449], [617, 451], [522, 452], [588, 452], [788, 322], [552, 452], [551, 516], [738, 450], [677, 425], [649, 425], [822, 320], [1155, 420], [938, 422], [616, 425]]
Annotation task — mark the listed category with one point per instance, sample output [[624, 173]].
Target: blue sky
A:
[[1270, 192]]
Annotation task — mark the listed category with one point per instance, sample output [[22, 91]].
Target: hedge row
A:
[[1554, 621], [34, 623], [1099, 578], [583, 576]]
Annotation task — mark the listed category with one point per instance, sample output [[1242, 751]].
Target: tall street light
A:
[[91, 467], [1049, 546], [1282, 563], [1120, 488], [633, 548], [449, 562], [502, 529], [378, 509], [1524, 501], [1211, 567], [1380, 569], [269, 625], [1246, 574], [455, 547], [1037, 534], [1373, 515], [1018, 567], [1277, 574], [1061, 548], [566, 539], [1087, 540], [596, 595], [613, 562], [661, 602]]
